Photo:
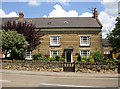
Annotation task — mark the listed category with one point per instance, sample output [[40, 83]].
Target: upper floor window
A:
[[85, 53], [54, 40], [54, 53], [84, 41]]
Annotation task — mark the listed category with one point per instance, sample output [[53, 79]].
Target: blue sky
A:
[[45, 8], [107, 10]]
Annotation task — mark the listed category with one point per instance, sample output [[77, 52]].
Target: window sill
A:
[[84, 45], [28, 58], [53, 45]]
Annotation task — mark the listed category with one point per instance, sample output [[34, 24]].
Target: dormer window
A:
[[49, 23], [65, 22]]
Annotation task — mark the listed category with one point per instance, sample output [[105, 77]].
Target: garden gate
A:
[[68, 67]]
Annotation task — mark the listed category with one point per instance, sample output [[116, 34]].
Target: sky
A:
[[107, 10]]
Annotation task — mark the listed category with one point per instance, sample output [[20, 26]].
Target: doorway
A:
[[68, 56]]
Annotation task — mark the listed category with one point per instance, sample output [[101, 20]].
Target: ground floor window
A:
[[28, 55], [54, 53], [85, 53]]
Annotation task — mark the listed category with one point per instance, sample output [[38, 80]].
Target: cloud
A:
[[86, 14], [34, 3], [111, 7], [108, 16], [60, 12], [107, 21], [11, 14]]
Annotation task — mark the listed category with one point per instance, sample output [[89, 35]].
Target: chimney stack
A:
[[95, 13], [21, 15]]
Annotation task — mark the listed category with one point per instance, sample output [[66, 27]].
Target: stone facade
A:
[[69, 40]]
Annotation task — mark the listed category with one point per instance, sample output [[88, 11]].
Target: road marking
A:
[[60, 85], [5, 81]]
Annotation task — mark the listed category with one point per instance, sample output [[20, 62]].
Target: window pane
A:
[[28, 55], [84, 41], [85, 53], [54, 53], [54, 40]]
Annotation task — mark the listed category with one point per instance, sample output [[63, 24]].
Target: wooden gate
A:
[[69, 67]]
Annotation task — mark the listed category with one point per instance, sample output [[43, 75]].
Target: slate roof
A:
[[62, 22]]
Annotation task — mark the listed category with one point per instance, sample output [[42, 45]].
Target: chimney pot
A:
[[95, 13], [21, 15]]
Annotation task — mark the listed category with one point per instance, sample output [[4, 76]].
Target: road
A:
[[51, 79]]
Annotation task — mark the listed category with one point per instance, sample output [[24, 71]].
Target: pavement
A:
[[15, 78], [64, 74]]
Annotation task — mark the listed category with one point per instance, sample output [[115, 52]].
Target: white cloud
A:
[[11, 14], [2, 13], [64, 2], [60, 12], [107, 22], [108, 16], [86, 14], [34, 3]]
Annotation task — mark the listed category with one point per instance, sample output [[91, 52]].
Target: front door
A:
[[68, 56]]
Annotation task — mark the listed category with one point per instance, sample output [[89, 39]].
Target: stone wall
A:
[[32, 65], [96, 68], [58, 66]]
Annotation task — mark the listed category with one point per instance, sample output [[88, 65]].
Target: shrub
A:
[[112, 61], [97, 56], [51, 59], [91, 60], [37, 56], [85, 59], [79, 58], [57, 58], [62, 59]]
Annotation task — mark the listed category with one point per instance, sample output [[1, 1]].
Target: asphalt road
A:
[[50, 79]]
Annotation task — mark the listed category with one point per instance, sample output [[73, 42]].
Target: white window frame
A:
[[88, 53], [52, 54], [82, 43], [28, 55], [55, 43]]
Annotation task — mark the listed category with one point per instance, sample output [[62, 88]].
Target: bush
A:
[[112, 61], [97, 56], [37, 56], [62, 59], [85, 59], [79, 58], [51, 59], [91, 60], [57, 58]]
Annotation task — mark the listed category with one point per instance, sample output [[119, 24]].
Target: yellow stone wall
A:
[[67, 40]]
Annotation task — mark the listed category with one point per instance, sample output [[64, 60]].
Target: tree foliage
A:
[[14, 43], [25, 28], [114, 36]]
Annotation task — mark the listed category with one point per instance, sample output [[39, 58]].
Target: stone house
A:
[[67, 37], [108, 50]]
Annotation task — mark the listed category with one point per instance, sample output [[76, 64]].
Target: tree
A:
[[14, 43], [114, 36], [25, 28]]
